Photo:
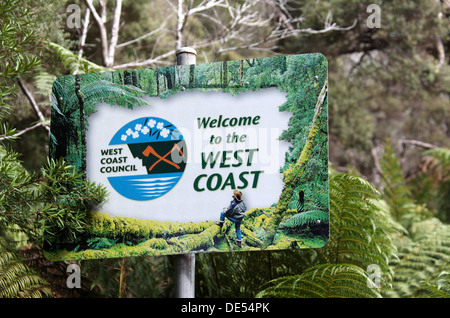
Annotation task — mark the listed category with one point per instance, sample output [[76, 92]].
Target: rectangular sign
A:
[[224, 156]]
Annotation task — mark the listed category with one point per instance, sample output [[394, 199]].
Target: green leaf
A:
[[323, 281]]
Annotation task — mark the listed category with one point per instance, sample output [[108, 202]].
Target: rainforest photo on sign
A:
[[215, 157]]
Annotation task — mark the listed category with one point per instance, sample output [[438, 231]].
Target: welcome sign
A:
[[184, 164], [210, 157]]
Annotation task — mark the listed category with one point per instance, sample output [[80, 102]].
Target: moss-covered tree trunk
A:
[[80, 97], [292, 176]]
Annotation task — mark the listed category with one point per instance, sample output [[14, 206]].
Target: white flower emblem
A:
[[160, 125], [165, 132], [124, 137], [145, 130], [151, 123], [129, 131], [135, 135], [138, 127]]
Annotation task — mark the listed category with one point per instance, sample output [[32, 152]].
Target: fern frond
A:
[[73, 63], [323, 281], [439, 290], [432, 291], [306, 218], [360, 225], [397, 193], [420, 258], [95, 90], [43, 82], [360, 235], [18, 281], [115, 94]]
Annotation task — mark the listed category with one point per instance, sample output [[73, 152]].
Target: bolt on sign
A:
[[225, 156]]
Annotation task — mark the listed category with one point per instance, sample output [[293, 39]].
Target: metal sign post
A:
[[185, 264]]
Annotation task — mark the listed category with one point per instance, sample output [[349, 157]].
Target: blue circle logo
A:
[[161, 149]]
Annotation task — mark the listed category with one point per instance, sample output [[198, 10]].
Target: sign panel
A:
[[224, 156]]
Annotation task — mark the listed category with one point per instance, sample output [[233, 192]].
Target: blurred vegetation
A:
[[389, 119]]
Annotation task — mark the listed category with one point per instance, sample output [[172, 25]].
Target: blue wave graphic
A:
[[145, 187]]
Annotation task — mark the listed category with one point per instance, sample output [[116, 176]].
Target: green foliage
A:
[[17, 280], [54, 201], [102, 224], [130, 277], [100, 242], [421, 259], [241, 274], [360, 235], [323, 281], [306, 218], [17, 34], [304, 85], [73, 63], [361, 225], [373, 97], [424, 252], [73, 99], [395, 191], [437, 176], [439, 290]]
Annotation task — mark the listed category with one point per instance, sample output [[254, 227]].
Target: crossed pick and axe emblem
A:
[[149, 150]]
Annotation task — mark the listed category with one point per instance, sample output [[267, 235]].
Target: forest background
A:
[[389, 117]]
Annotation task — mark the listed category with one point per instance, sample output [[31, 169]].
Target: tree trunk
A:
[[80, 97], [191, 75], [168, 76], [225, 75], [180, 25], [157, 82], [127, 78], [241, 72]]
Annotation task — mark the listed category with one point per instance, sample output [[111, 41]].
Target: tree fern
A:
[[360, 225], [440, 182], [323, 281], [73, 63], [96, 88], [360, 235], [424, 251], [67, 116], [397, 193], [421, 257], [17, 280]]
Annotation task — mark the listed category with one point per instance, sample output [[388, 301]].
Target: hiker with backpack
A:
[[235, 212]]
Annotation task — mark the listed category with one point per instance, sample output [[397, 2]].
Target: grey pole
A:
[[186, 56], [185, 265]]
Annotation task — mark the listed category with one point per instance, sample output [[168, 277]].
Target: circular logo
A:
[[159, 150]]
